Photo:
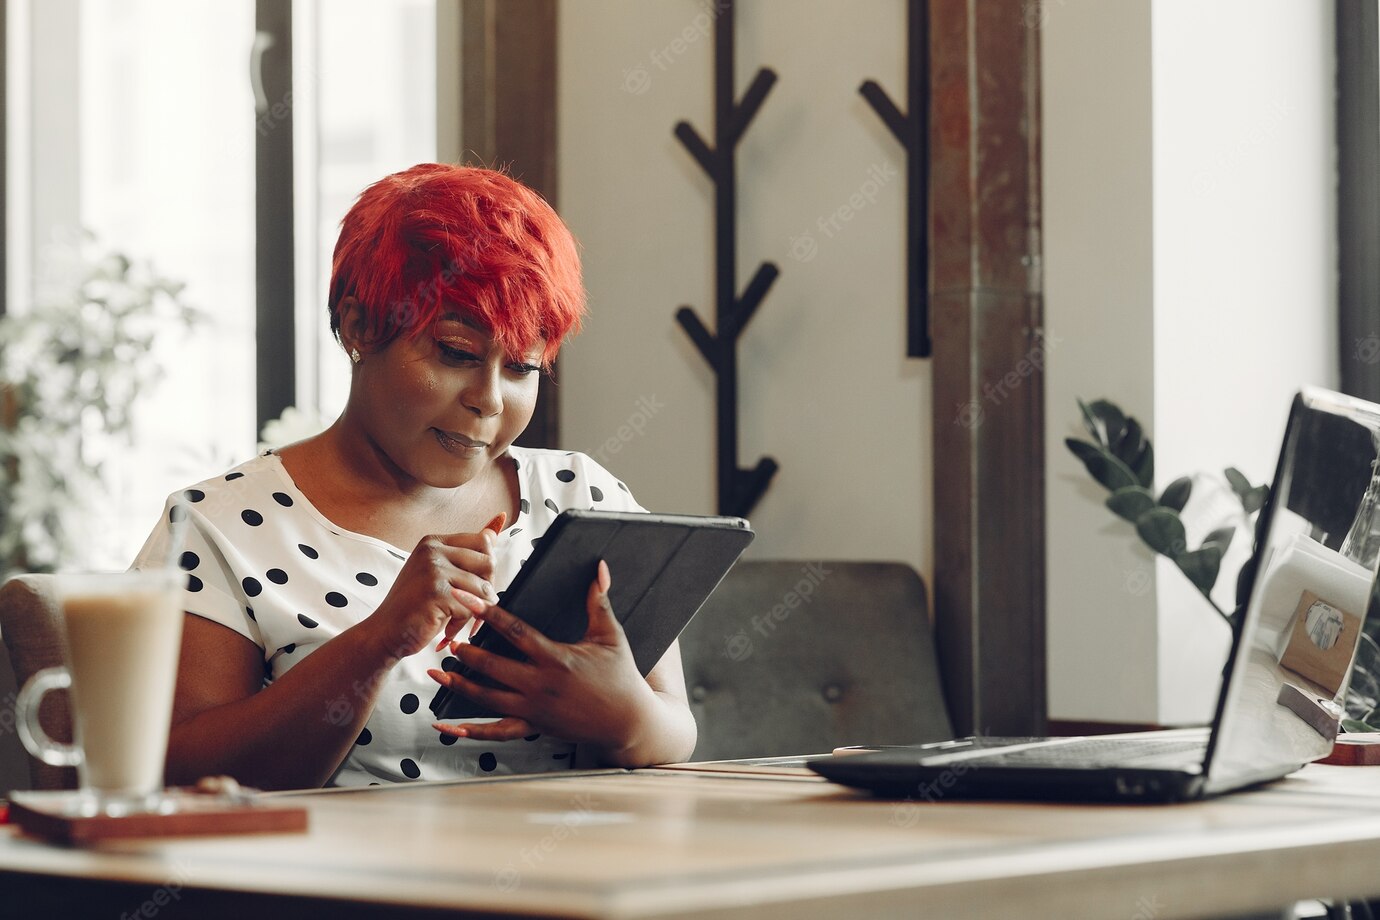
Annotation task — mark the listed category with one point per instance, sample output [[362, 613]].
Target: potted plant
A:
[[71, 371]]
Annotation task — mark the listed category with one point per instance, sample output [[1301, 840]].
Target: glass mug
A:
[[124, 635]]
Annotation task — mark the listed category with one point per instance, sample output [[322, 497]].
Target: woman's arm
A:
[[291, 734], [294, 732]]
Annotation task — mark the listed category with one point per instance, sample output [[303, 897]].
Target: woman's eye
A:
[[524, 369], [456, 354]]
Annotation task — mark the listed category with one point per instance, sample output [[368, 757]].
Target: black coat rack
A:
[[912, 129], [739, 488]]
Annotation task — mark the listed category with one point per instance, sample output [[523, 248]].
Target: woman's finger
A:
[[518, 675], [495, 698], [525, 639], [506, 729]]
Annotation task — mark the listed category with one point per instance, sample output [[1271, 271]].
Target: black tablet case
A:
[[663, 566]]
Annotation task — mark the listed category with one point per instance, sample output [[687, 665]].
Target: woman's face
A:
[[446, 403]]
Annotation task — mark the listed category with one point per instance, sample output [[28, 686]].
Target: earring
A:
[[354, 356]]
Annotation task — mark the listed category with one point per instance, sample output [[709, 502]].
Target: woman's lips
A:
[[457, 443]]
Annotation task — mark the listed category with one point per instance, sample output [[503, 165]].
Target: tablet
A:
[[664, 567]]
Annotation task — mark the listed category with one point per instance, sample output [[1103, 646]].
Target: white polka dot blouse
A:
[[261, 560]]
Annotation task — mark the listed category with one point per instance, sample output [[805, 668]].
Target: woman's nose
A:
[[482, 395]]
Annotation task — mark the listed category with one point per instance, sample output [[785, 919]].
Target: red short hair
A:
[[473, 238]]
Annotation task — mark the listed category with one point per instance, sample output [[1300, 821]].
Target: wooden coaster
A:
[[51, 815], [1355, 749]]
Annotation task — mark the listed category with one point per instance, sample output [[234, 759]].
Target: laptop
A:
[[1302, 595]]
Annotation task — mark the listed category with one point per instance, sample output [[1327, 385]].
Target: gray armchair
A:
[[31, 630], [803, 657]]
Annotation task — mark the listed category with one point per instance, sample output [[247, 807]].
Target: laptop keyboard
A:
[[1106, 752]]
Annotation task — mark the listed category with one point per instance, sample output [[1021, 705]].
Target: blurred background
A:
[[1145, 202]]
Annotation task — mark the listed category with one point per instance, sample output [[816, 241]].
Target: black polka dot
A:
[[252, 587], [250, 611], [515, 531], [194, 495], [290, 648], [450, 664], [523, 507], [623, 487], [283, 499], [515, 463], [365, 736], [176, 513], [410, 768], [535, 541], [277, 576], [487, 762], [409, 703], [565, 475], [336, 599], [193, 584], [596, 493], [448, 740], [365, 578], [251, 517], [308, 551], [560, 756], [375, 784], [397, 555], [532, 737], [552, 505], [231, 477], [189, 560], [306, 621]]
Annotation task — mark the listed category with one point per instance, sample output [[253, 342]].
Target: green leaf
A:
[[1111, 420], [1102, 466], [1131, 502], [1162, 531], [1356, 725], [1220, 538], [1238, 482], [1132, 441], [1144, 467], [1175, 495], [1091, 423], [1201, 566]]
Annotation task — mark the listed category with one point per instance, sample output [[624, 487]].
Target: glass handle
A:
[[36, 740]]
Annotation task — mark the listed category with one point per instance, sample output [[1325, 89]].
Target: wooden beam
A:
[[986, 317], [508, 120]]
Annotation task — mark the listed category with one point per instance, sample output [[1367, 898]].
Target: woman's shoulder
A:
[[545, 471], [249, 476]]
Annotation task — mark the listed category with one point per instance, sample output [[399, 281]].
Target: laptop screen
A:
[[1306, 589]]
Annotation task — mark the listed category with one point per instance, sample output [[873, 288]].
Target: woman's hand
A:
[[443, 583], [589, 691]]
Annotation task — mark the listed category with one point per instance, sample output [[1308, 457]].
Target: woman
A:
[[329, 580]]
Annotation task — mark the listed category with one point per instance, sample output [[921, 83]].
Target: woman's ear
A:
[[353, 327]]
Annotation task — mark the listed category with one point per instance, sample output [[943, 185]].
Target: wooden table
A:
[[700, 843]]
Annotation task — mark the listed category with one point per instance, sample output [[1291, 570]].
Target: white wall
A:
[[1189, 248], [1245, 265], [824, 384], [1099, 307]]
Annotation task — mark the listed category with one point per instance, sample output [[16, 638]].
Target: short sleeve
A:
[[606, 491], [212, 591]]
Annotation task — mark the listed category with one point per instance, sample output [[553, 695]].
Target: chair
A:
[[31, 629], [802, 657]]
